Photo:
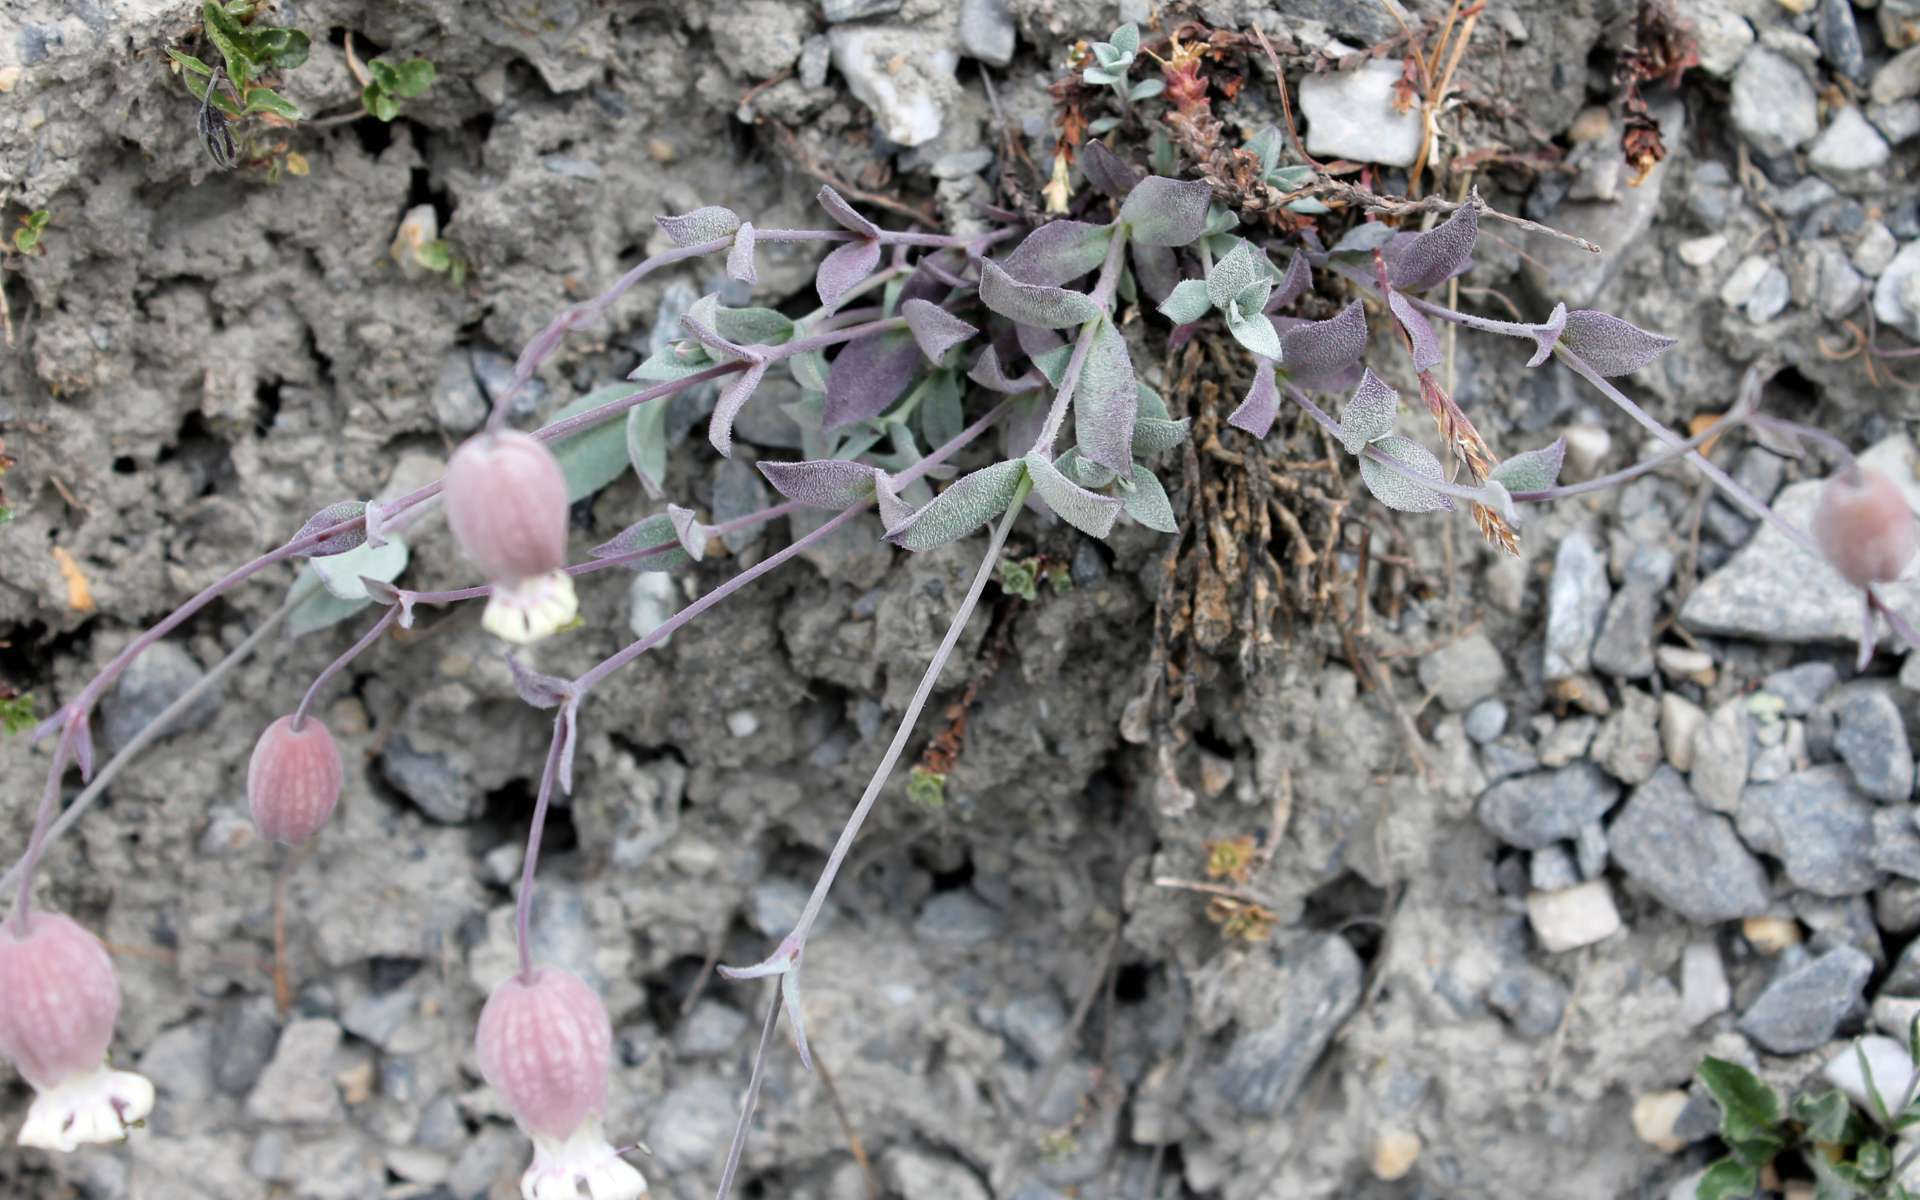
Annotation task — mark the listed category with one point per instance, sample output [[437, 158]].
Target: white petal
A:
[[96, 1106], [532, 609], [560, 1168]]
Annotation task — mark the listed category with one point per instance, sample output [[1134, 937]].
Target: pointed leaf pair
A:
[[1059, 252], [1086, 511], [1026, 304], [966, 505], [1401, 489], [541, 691], [1254, 331], [934, 329], [1166, 212], [1437, 255], [1546, 335], [732, 399], [701, 225], [1190, 300]]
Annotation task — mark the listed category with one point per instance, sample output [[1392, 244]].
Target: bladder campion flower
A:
[[507, 506], [1864, 526], [58, 1002], [293, 780], [546, 1044]]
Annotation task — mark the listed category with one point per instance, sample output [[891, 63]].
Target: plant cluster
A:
[[922, 345]]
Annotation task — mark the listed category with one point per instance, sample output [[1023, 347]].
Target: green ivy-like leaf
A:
[[412, 78], [1747, 1106], [284, 48], [379, 103], [267, 100], [1728, 1180]]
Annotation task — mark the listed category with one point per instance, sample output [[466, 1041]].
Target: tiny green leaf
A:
[[1151, 435], [1746, 1104], [190, 63], [267, 100], [412, 78], [1825, 1116], [284, 48], [1534, 470], [1728, 1180], [379, 103]]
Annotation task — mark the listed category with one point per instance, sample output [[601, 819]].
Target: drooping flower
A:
[[507, 506], [1864, 526], [546, 1044], [293, 780], [58, 1001]]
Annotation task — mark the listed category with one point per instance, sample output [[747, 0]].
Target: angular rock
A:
[[1774, 105], [958, 918], [1800, 687], [1628, 745], [1574, 917], [1839, 39], [1353, 114], [1818, 826], [297, 1086], [1575, 601], [1551, 869], [1689, 859], [1722, 757], [1463, 672], [1570, 273], [1625, 645], [430, 781], [1850, 151], [1680, 722], [1802, 1008], [1871, 738], [1704, 990], [1891, 291], [1896, 841], [1535, 811], [986, 31], [905, 76], [1318, 987], [837, 11]]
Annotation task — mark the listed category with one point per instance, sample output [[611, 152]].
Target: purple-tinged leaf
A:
[[1608, 344], [846, 266], [868, 375], [1022, 426], [1293, 284], [1188, 302], [1059, 252], [1320, 350], [687, 527], [970, 502], [1035, 341], [1394, 488], [1147, 503], [1046, 307], [1086, 511], [740, 258], [1364, 238], [1546, 335], [700, 225], [1256, 413], [1369, 416], [1156, 268], [328, 517], [1151, 435], [987, 373], [822, 483], [1426, 344], [719, 347], [1534, 470], [843, 213], [893, 510], [656, 530], [1053, 363], [1106, 400], [934, 328], [732, 399], [1437, 255], [1106, 172], [1166, 212], [541, 691], [384, 593], [83, 749]]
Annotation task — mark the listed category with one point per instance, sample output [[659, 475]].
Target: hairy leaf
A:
[[594, 457], [809, 370], [868, 375], [1023, 424], [740, 257], [1106, 400], [1126, 39], [1393, 488], [1321, 350], [1369, 415], [1265, 146], [970, 502], [893, 510], [332, 515], [845, 267], [1533, 471], [321, 608], [1255, 332], [941, 415], [687, 527], [1084, 471], [1438, 254], [1609, 345], [1084, 510], [1167, 212], [844, 213], [1046, 307], [1156, 268], [341, 573], [733, 398], [1053, 363], [1147, 503], [1256, 413], [700, 225], [988, 374], [541, 691], [1059, 252], [1151, 435], [656, 530], [1189, 301], [1107, 173], [647, 444], [934, 328], [1147, 89], [1293, 284], [697, 321], [1241, 268], [751, 326], [1151, 405], [1364, 238], [1426, 344]]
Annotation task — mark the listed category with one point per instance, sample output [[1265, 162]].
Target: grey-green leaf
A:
[[1106, 399], [969, 503], [1241, 268], [1369, 415], [1254, 332], [647, 444], [1151, 435], [1533, 471], [1084, 510], [1147, 502], [593, 458], [1394, 488], [1166, 212], [1043, 307], [1188, 303], [700, 225]]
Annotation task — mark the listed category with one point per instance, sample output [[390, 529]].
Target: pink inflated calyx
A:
[[507, 505], [59, 998], [545, 1043], [1865, 527], [293, 780]]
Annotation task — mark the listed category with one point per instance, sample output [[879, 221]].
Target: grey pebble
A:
[[1802, 1008], [161, 674], [1529, 998], [1576, 600], [1534, 811], [1266, 1067], [1801, 686], [1818, 825], [1871, 739], [1691, 860]]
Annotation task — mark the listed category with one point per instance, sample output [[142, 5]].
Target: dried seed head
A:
[[546, 1044], [293, 780], [1864, 526], [58, 1001], [507, 504]]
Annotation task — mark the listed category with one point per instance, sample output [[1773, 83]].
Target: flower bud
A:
[[507, 505], [293, 780], [58, 1001], [1864, 526], [546, 1044]]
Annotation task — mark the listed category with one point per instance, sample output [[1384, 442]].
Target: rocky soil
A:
[[1552, 827]]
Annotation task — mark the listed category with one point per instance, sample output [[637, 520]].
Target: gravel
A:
[[1576, 600], [1689, 859], [1818, 826], [1803, 1006], [1534, 811], [1774, 106], [1871, 738], [1315, 988]]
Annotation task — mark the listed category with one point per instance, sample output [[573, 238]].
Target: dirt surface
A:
[[1018, 993]]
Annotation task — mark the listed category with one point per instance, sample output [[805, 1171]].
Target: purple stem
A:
[[333, 668], [49, 798], [523, 912], [751, 1100]]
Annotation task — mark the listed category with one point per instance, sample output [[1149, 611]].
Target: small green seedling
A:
[[393, 82], [1112, 59], [26, 239], [16, 713], [248, 52]]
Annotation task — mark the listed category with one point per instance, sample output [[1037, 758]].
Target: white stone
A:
[[1849, 150], [1577, 916], [1874, 250], [899, 75], [1698, 252], [1680, 719], [1587, 447], [651, 599], [1889, 297], [1886, 1059], [1721, 37], [1704, 990], [1744, 281], [743, 723], [1774, 105], [1654, 1118], [1351, 114]]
